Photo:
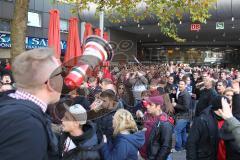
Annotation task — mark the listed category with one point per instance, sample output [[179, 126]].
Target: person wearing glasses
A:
[[25, 131]]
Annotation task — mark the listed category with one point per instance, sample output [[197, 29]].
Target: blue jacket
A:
[[124, 147]]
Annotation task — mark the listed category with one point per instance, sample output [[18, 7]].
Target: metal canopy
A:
[[225, 10]]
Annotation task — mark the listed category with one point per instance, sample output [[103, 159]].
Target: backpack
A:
[[153, 145]]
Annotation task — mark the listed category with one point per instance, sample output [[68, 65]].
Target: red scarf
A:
[[221, 145]]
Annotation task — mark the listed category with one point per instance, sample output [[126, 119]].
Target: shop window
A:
[[34, 19], [4, 25], [63, 26]]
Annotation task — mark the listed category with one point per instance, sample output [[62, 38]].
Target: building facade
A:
[[37, 28]]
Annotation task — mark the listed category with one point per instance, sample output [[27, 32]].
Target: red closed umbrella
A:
[[88, 30], [73, 50], [54, 32], [98, 32]]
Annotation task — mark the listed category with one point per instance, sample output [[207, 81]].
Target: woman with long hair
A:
[[123, 94], [127, 139]]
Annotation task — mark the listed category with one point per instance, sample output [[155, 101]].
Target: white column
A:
[[82, 30], [101, 22]]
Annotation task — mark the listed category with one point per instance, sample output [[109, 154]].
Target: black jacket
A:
[[82, 101], [104, 121], [158, 137], [236, 106], [183, 105], [205, 99], [88, 145], [203, 137], [25, 131], [159, 147]]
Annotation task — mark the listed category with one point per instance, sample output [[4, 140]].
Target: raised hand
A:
[[226, 111]]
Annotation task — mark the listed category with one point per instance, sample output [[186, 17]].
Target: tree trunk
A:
[[19, 27]]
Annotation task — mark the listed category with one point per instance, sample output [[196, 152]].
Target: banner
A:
[[31, 42]]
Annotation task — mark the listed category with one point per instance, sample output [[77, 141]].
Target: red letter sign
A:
[[195, 27]]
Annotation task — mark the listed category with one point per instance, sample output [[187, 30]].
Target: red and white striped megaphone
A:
[[96, 51]]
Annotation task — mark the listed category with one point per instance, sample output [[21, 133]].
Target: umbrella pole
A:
[[101, 23]]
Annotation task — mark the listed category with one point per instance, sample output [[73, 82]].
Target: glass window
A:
[[4, 25], [8, 0], [63, 25], [34, 19]]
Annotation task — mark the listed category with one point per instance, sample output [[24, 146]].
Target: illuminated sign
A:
[[219, 25], [195, 27]]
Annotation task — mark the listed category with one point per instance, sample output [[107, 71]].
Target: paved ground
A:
[[179, 155]]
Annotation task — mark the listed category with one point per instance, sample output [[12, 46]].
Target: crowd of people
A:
[[123, 112]]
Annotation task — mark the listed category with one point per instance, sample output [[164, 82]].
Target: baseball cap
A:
[[78, 112], [158, 100]]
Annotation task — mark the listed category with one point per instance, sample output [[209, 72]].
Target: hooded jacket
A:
[[124, 147], [87, 146]]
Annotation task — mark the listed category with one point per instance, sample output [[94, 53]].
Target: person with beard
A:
[[79, 139], [204, 141], [102, 113]]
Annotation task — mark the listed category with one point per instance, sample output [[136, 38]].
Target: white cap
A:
[[79, 113]]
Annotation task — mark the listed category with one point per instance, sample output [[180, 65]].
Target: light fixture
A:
[[232, 11], [158, 24], [121, 27], [138, 25], [180, 22], [142, 28]]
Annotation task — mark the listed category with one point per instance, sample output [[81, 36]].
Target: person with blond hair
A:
[[25, 130], [127, 139]]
